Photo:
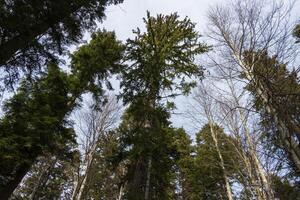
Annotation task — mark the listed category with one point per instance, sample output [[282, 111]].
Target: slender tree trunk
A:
[[121, 193], [225, 176], [147, 189], [265, 191], [288, 141], [81, 184]]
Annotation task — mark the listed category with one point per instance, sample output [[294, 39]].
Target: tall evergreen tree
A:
[[281, 102], [36, 117], [160, 63]]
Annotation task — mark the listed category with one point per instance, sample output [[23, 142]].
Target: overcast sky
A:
[[127, 16]]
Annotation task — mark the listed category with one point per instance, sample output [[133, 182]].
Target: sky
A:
[[125, 17]]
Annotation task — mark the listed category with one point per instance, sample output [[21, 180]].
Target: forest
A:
[[92, 119]]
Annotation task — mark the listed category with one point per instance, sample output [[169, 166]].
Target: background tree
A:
[[48, 178], [208, 172], [249, 29], [183, 167], [95, 127], [33, 32], [36, 117]]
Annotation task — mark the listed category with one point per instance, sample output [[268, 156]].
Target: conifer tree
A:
[[34, 32], [36, 117], [160, 65]]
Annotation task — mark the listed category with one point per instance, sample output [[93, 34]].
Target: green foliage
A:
[[184, 163], [49, 178], [160, 61], [282, 89], [162, 58], [154, 141], [36, 117], [35, 121], [93, 63], [33, 32], [207, 174]]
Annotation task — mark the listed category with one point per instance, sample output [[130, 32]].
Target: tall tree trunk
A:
[[121, 193], [82, 184], [221, 163], [288, 141], [147, 189], [264, 191]]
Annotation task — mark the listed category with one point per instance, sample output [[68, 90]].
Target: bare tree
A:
[[257, 27], [233, 110], [206, 104], [94, 126]]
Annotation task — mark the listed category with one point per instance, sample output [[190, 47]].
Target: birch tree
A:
[[250, 29], [93, 130]]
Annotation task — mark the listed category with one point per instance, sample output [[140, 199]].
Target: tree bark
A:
[[147, 189], [221, 163], [11, 185]]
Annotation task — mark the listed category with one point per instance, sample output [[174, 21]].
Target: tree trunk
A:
[[81, 184], [288, 141], [121, 193], [227, 185], [147, 189]]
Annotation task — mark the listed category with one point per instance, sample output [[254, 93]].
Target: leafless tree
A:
[[93, 127], [205, 104], [257, 27]]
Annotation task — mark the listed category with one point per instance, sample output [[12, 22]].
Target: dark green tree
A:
[[296, 32], [32, 32], [182, 179], [49, 178], [279, 105], [207, 174], [36, 117], [160, 65]]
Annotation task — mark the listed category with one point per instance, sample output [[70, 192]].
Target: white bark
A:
[[95, 125], [226, 180]]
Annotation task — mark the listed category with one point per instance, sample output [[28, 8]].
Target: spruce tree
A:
[[161, 63]]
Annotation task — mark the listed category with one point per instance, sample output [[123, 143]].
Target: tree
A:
[[36, 117], [184, 165], [283, 94], [33, 32], [208, 172], [296, 32], [35, 120], [246, 31], [160, 61], [48, 178], [94, 132]]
